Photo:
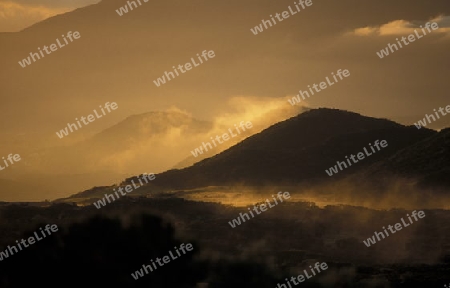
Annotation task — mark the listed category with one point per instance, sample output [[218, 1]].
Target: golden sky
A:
[[117, 59], [16, 15]]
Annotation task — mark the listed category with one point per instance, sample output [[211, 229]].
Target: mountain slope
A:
[[297, 150], [426, 161]]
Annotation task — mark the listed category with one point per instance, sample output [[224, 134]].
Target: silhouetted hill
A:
[[297, 150], [425, 161]]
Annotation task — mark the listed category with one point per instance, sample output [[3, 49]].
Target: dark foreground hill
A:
[[104, 247], [297, 150]]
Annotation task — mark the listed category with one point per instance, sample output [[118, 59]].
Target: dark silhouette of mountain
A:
[[297, 150], [425, 161]]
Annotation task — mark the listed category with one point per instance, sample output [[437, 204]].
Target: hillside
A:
[[425, 161], [297, 150]]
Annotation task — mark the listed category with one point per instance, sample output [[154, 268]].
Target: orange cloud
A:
[[402, 27]]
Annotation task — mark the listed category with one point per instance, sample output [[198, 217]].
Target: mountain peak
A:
[[297, 150]]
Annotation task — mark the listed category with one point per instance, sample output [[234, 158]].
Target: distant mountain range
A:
[[138, 144], [292, 152], [132, 146]]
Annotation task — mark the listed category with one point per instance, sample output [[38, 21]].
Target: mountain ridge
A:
[[243, 163]]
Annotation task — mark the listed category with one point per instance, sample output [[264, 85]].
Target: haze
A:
[[118, 57]]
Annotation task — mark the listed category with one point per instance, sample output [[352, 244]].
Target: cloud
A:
[[161, 150], [19, 14], [262, 111], [402, 27]]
